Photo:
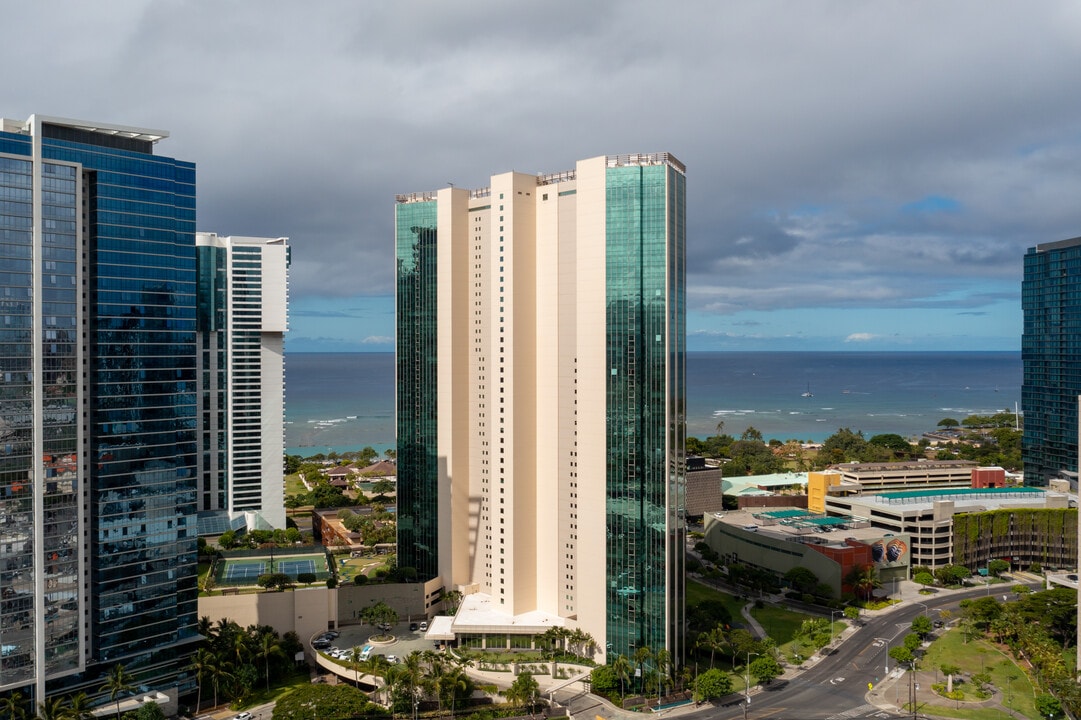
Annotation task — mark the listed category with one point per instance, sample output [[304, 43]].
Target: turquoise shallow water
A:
[[344, 401]]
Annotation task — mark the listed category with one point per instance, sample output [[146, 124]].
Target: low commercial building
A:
[[927, 516], [851, 479], [777, 540]]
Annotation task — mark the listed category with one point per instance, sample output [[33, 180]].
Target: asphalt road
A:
[[836, 687]]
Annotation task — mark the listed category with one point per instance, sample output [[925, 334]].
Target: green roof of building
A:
[[960, 492], [782, 514]]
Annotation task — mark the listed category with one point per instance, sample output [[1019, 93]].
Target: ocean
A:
[[345, 401]]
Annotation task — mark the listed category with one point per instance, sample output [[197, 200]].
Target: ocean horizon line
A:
[[727, 352]]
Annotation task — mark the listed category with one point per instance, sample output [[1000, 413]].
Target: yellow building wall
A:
[[818, 484]]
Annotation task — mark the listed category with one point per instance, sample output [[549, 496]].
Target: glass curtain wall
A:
[[140, 235], [645, 361], [417, 402]]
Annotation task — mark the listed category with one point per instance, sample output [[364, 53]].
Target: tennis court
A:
[[246, 570], [243, 571], [293, 568]]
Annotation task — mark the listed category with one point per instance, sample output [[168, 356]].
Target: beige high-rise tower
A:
[[541, 344]]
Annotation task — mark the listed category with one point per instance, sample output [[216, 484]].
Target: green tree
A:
[[118, 683], [79, 706], [228, 539], [324, 701], [713, 640], [951, 575], [622, 667], [949, 670], [451, 601], [523, 690], [1048, 706], [751, 434], [852, 612], [150, 711], [642, 655], [896, 445], [948, 423], [864, 581], [54, 708], [765, 668], [201, 662], [996, 567], [922, 625], [901, 654], [379, 614], [712, 684], [269, 647], [925, 578], [801, 579], [603, 679], [383, 487], [842, 446], [274, 581], [662, 659]]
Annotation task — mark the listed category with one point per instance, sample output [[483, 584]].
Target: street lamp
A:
[[747, 687], [832, 613]]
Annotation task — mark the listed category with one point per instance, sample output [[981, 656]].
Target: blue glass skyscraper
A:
[[97, 408], [1051, 355]]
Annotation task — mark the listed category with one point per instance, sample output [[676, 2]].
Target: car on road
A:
[[242, 716], [413, 627], [424, 626], [392, 659]]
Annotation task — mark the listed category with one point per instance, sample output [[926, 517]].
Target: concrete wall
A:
[[306, 611], [309, 611], [412, 601]]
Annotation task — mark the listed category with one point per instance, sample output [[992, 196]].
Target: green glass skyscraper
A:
[[1051, 355], [541, 385]]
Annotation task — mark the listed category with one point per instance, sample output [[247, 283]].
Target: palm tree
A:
[[355, 660], [200, 665], [715, 640], [662, 658], [14, 706], [451, 683], [218, 670], [79, 706], [205, 626], [54, 708], [410, 673], [269, 646], [118, 682], [642, 655], [577, 637], [621, 666], [867, 582]]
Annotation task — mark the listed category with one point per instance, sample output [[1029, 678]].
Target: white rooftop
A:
[[479, 613]]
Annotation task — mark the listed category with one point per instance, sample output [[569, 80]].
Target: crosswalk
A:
[[863, 711]]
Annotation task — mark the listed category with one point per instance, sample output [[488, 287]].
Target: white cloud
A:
[[861, 337]]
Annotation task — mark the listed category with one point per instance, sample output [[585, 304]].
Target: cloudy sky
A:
[[860, 175]]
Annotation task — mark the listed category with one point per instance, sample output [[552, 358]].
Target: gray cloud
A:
[[814, 134]]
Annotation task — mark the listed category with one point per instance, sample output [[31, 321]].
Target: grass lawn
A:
[[781, 624], [975, 656], [294, 485], [698, 592], [356, 566]]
